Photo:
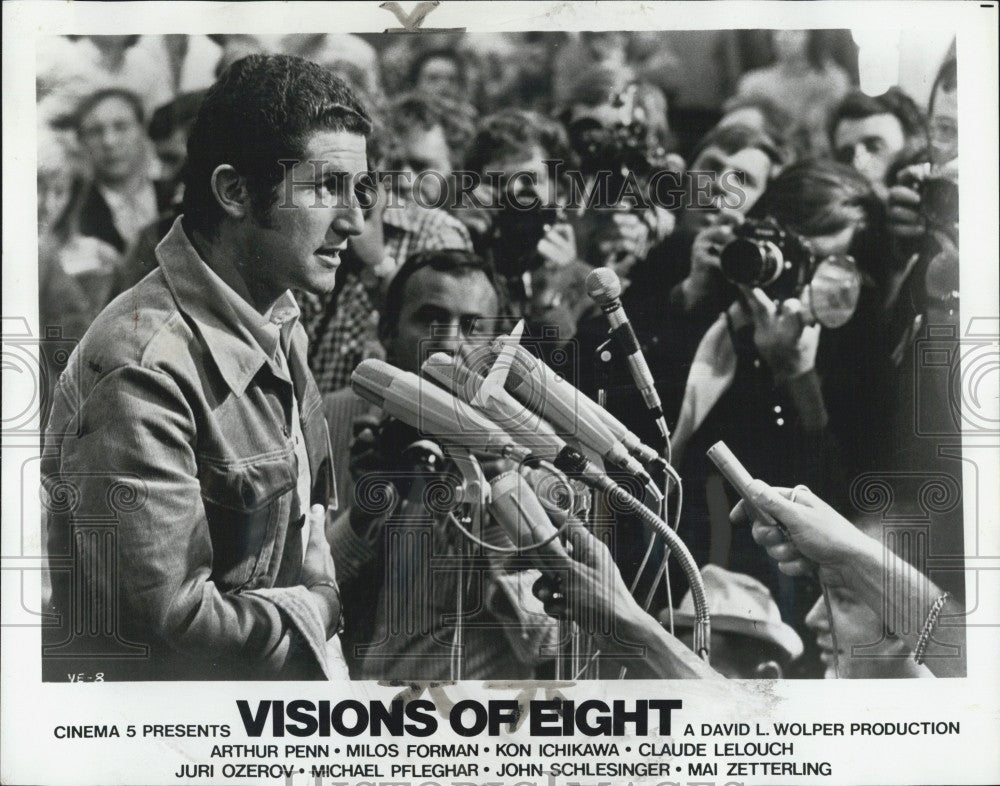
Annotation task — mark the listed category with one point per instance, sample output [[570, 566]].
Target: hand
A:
[[782, 338], [662, 223], [590, 591], [905, 219], [615, 239], [585, 587], [317, 564], [705, 253], [819, 535], [558, 246], [709, 242]]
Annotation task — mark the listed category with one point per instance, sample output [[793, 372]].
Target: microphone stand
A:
[[604, 360]]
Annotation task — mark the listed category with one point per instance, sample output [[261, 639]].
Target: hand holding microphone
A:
[[800, 531]]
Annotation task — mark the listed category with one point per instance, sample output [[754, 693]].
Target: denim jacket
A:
[[174, 530]]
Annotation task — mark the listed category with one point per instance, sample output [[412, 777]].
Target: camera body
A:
[[938, 190], [939, 201], [763, 254], [621, 146], [517, 227]]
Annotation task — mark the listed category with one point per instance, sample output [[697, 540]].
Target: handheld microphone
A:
[[541, 389], [605, 289], [528, 428], [431, 410], [525, 426], [517, 509]]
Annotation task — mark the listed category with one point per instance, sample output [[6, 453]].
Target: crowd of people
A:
[[784, 242]]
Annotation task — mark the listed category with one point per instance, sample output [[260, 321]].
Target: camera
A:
[[624, 145], [517, 228], [620, 146], [939, 201], [761, 253], [938, 192]]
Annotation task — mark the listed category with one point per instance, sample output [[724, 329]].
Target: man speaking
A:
[[187, 444]]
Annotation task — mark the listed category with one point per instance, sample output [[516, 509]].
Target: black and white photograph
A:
[[389, 387]]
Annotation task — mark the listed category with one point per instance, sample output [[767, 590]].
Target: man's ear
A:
[[768, 670], [230, 191]]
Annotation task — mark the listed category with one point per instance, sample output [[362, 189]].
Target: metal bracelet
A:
[[929, 624]]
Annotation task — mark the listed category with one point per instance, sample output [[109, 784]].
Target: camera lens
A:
[[750, 262], [939, 201]]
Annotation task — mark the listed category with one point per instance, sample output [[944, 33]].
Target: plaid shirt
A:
[[338, 341]]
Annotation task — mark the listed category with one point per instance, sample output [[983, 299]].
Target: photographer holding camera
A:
[[922, 309], [789, 374], [738, 161], [523, 227], [923, 215], [620, 136]]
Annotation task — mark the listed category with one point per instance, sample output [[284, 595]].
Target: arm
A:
[[701, 288], [889, 586], [788, 346], [136, 428], [598, 600]]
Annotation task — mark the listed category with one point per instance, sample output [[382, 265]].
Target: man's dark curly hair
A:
[[511, 133], [857, 105], [262, 110]]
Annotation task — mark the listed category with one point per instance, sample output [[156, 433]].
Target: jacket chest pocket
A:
[[248, 504]]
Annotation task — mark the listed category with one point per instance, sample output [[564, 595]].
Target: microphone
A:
[[517, 509], [434, 411], [431, 410], [525, 426], [540, 388], [558, 406], [528, 428], [605, 289]]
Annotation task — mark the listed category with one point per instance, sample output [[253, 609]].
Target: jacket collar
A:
[[222, 318]]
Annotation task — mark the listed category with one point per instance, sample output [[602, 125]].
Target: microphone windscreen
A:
[[517, 509], [370, 380], [603, 286]]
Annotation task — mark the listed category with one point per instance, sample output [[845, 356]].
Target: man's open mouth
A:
[[329, 256]]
